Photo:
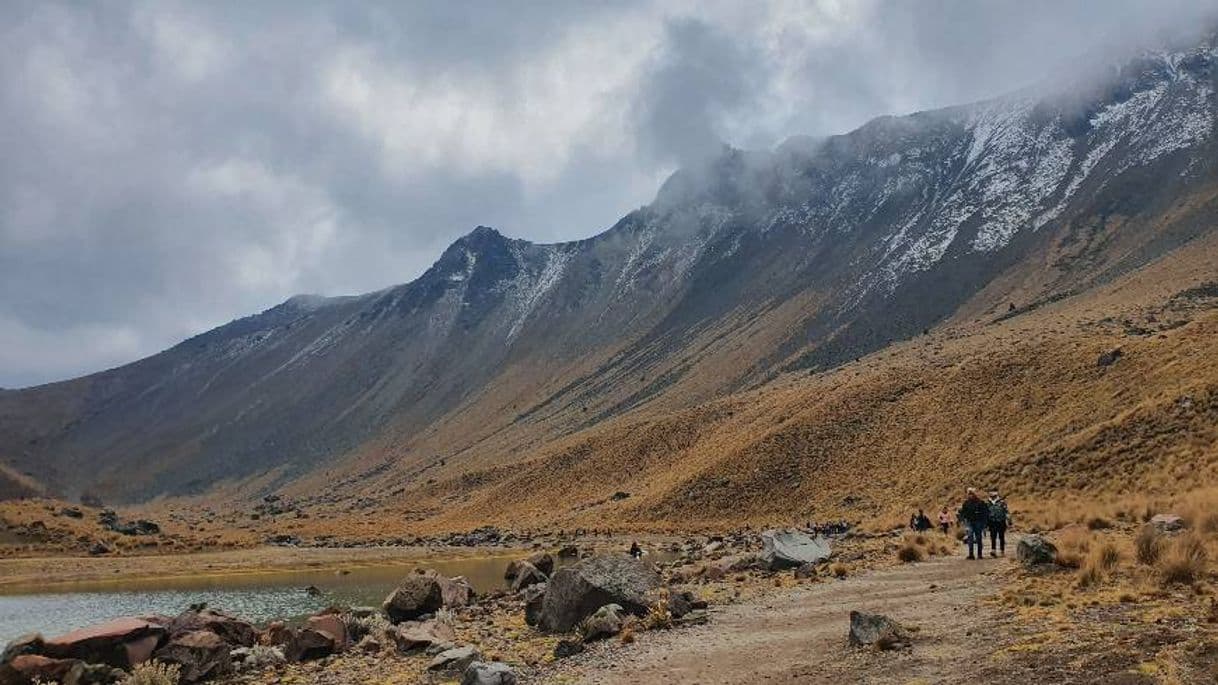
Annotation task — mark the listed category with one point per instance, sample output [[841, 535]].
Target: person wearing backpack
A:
[[999, 518], [974, 514]]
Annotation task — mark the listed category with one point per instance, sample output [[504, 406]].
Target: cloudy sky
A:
[[168, 167]]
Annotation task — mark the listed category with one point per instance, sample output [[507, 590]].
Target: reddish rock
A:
[[331, 625], [277, 634], [115, 643], [310, 644], [30, 668]]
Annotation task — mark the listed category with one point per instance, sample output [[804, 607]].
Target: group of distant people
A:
[[976, 516], [826, 529]]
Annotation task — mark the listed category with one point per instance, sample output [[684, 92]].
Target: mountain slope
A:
[[756, 263]]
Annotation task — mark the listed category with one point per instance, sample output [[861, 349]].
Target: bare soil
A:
[[799, 635]]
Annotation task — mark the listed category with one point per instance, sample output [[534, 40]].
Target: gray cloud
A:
[[169, 166]]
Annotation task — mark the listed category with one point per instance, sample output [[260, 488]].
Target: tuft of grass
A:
[[658, 614], [1184, 560], [1148, 545], [910, 552], [1101, 561], [627, 635], [839, 570], [154, 673]]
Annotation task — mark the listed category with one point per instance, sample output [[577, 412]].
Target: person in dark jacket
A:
[[999, 517], [636, 551], [974, 514]]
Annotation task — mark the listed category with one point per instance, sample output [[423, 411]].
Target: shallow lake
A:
[[257, 597]]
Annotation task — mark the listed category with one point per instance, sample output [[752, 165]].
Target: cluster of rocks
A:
[[110, 520], [206, 644]]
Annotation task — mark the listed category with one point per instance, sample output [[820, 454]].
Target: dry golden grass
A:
[[1148, 545], [1100, 562], [1184, 561]]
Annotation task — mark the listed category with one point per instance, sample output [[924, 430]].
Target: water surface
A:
[[257, 597]]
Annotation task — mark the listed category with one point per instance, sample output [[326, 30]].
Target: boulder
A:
[[234, 631], [121, 643], [783, 549], [416, 636], [454, 660], [543, 561], [277, 634], [527, 574], [604, 623], [575, 592], [1167, 523], [35, 668], [200, 654], [30, 643], [568, 552], [331, 625], [534, 600], [417, 595], [492, 673], [455, 592], [1034, 550], [308, 644], [876, 630]]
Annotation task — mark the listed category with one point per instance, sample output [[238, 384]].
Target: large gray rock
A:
[[876, 630], [542, 561], [493, 673], [417, 595], [526, 575], [1035, 550], [791, 549], [417, 636], [605, 623], [575, 592], [454, 660], [234, 631], [534, 599]]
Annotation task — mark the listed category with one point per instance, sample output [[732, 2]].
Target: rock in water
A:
[[876, 630], [200, 654], [417, 595], [791, 549], [493, 673], [1034, 550], [576, 592], [605, 623]]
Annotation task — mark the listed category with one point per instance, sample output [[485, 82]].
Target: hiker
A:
[[913, 521], [998, 520], [636, 551], [945, 521], [923, 522], [974, 514]]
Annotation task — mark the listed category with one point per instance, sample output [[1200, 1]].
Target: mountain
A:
[[753, 267]]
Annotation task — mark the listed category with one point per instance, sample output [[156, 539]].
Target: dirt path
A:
[[798, 636]]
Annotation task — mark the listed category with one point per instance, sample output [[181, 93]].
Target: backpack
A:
[[998, 512]]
